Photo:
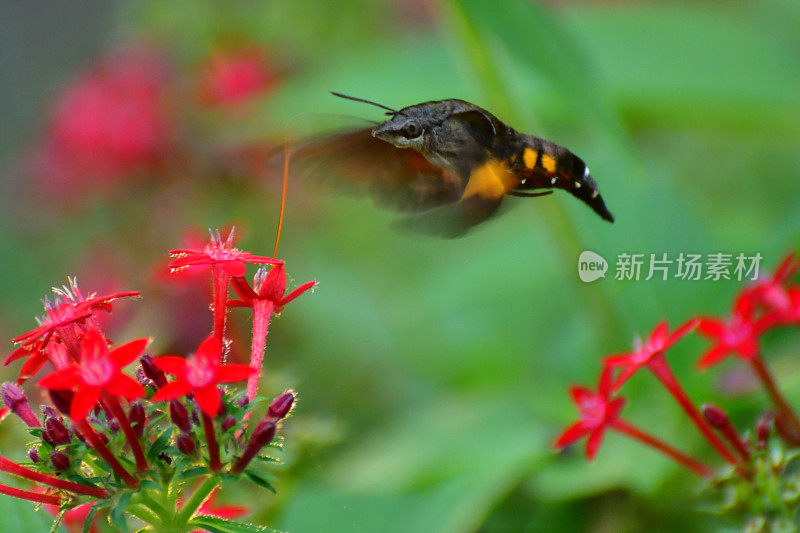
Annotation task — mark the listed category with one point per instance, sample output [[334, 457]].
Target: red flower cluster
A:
[[96, 403], [107, 124], [235, 77], [765, 304]]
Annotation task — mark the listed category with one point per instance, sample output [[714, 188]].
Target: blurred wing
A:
[[401, 179]]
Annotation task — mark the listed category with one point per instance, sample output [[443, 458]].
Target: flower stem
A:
[[658, 365], [785, 418], [262, 312], [684, 460], [213, 447], [98, 444], [130, 434], [18, 470], [51, 499], [221, 280], [197, 498]]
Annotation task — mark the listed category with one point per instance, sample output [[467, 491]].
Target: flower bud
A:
[[155, 374], [62, 399], [244, 401], [228, 423], [78, 434], [33, 455], [179, 416], [143, 380], [15, 400], [715, 416], [262, 435], [763, 431], [186, 443], [59, 460], [55, 432], [280, 406], [138, 418]]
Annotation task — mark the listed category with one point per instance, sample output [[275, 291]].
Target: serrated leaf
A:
[[160, 443], [222, 525], [117, 514], [193, 472], [259, 479]]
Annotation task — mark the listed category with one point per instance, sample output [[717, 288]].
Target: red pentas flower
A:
[[656, 344], [219, 253], [98, 370], [200, 374], [737, 335], [234, 77], [773, 294], [597, 412], [269, 297]]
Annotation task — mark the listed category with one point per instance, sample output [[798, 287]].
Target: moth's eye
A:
[[412, 130]]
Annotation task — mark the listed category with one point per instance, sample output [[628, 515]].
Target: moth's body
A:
[[455, 162]]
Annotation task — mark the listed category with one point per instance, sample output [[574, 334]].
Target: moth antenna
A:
[[355, 99]]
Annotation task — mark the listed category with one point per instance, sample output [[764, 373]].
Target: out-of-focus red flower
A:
[[597, 412], [199, 374], [74, 519], [772, 294], [658, 342], [235, 77], [108, 123], [98, 370], [737, 335]]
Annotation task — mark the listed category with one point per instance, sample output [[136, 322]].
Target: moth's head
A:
[[406, 129]]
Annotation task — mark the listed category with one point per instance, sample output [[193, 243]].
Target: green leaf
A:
[[160, 443], [193, 472], [259, 479], [223, 525], [117, 515], [89, 517]]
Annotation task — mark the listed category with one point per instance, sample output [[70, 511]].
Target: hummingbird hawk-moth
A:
[[449, 164]]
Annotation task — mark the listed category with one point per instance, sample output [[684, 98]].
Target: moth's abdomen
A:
[[541, 164]]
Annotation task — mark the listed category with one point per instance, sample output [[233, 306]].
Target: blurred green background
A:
[[433, 374]]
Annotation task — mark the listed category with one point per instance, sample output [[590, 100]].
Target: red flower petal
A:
[[125, 386], [32, 366], [242, 288], [274, 285], [84, 401], [64, 379], [580, 394], [573, 433], [711, 327], [128, 352], [713, 356], [681, 332], [234, 268], [233, 373], [210, 350], [297, 292], [208, 399], [172, 390], [172, 364], [593, 444]]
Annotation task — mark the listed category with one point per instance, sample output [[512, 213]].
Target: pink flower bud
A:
[[138, 418], [262, 435], [60, 461], [763, 431], [33, 455], [55, 432], [280, 406], [62, 399], [715, 416], [155, 374], [15, 400], [228, 423], [179, 416], [186, 443]]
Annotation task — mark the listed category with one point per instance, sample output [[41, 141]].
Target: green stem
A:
[[144, 513], [197, 498]]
